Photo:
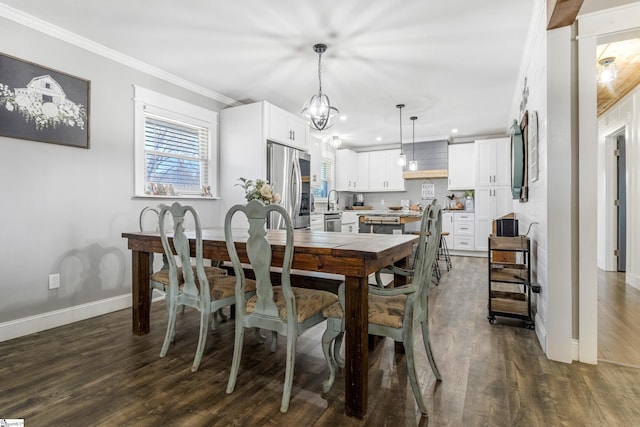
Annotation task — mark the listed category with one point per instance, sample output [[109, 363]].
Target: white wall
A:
[[624, 114], [64, 208], [547, 66]]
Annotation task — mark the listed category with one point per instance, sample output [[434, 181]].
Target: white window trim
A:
[[176, 109]]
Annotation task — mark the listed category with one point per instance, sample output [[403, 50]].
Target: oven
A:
[[381, 224], [333, 222]]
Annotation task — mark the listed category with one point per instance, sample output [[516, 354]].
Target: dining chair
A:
[[154, 212], [204, 288], [283, 309], [396, 312]]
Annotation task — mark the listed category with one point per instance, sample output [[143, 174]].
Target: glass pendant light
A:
[[319, 111], [413, 164], [402, 160]]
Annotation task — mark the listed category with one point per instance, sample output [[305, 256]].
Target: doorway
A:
[[621, 203]]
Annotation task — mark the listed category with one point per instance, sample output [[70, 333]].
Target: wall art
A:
[[41, 104]]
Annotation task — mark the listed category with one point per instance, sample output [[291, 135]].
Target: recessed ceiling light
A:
[[454, 130], [378, 139], [343, 117]]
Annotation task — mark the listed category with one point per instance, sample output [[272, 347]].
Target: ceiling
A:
[[627, 60], [454, 63]]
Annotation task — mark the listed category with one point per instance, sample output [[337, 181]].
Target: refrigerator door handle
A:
[[296, 189]]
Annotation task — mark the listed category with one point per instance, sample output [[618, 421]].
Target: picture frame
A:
[[42, 104]]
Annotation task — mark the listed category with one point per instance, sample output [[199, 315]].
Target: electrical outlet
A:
[[382, 202], [54, 281]]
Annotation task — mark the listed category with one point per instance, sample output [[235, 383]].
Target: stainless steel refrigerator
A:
[[289, 172]]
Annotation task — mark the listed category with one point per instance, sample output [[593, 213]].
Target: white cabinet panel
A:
[[462, 166], [384, 172], [490, 203], [315, 152], [461, 228], [346, 170], [362, 181], [447, 226], [493, 162], [287, 128]]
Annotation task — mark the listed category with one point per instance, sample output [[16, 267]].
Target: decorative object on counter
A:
[[319, 111], [359, 208], [259, 190], [402, 160], [454, 203], [395, 208], [413, 164]]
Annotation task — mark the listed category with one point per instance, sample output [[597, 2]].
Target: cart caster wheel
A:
[[492, 321], [531, 327]]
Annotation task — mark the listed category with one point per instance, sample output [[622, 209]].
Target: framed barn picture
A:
[[41, 104]]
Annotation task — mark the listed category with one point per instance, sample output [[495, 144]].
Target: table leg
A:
[[356, 349], [140, 298]]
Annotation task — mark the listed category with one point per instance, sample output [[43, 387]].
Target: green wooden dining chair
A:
[[284, 309], [396, 312], [204, 288], [153, 224]]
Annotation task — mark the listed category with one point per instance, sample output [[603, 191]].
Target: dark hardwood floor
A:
[[96, 373], [618, 320]]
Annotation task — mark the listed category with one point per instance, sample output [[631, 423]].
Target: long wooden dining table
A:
[[355, 256]]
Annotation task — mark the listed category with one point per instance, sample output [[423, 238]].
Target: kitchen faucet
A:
[[329, 198]]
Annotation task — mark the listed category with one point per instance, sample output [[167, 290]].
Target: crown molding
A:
[[51, 30]]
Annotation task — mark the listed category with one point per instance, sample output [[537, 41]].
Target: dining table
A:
[[352, 255]]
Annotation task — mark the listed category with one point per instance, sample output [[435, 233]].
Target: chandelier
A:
[[607, 70], [402, 160], [319, 111]]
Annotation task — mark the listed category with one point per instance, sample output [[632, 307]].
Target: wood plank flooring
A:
[[96, 373], [618, 320]]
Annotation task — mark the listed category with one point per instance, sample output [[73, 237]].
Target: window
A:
[[175, 146]]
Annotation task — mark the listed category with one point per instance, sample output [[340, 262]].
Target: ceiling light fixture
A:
[[413, 164], [607, 70], [402, 160], [319, 111]]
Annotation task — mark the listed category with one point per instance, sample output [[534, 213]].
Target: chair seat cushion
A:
[[384, 311], [162, 276], [223, 287], [309, 302]]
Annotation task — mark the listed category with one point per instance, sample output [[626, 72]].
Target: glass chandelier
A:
[[318, 110], [413, 164], [607, 70], [402, 160]]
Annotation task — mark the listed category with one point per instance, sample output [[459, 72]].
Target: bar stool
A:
[[443, 250]]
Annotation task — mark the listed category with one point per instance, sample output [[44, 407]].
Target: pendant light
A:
[[402, 160], [413, 164], [319, 111]]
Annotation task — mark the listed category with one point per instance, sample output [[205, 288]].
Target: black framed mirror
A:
[[517, 161]]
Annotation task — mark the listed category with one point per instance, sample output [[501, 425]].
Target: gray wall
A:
[[64, 208]]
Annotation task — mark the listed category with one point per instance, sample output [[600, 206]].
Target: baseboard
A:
[[575, 350], [634, 281], [541, 332], [29, 325]]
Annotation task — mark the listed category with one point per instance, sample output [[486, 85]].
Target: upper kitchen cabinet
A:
[[363, 172], [286, 128], [462, 166], [384, 172], [346, 170], [493, 162], [315, 151]]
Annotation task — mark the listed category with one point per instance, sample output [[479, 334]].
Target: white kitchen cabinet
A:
[[286, 128], [346, 170], [384, 172], [493, 162], [462, 166], [461, 228], [490, 203], [317, 222], [493, 186], [349, 222], [362, 181]]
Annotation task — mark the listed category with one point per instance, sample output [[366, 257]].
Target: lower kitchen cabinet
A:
[[461, 228]]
